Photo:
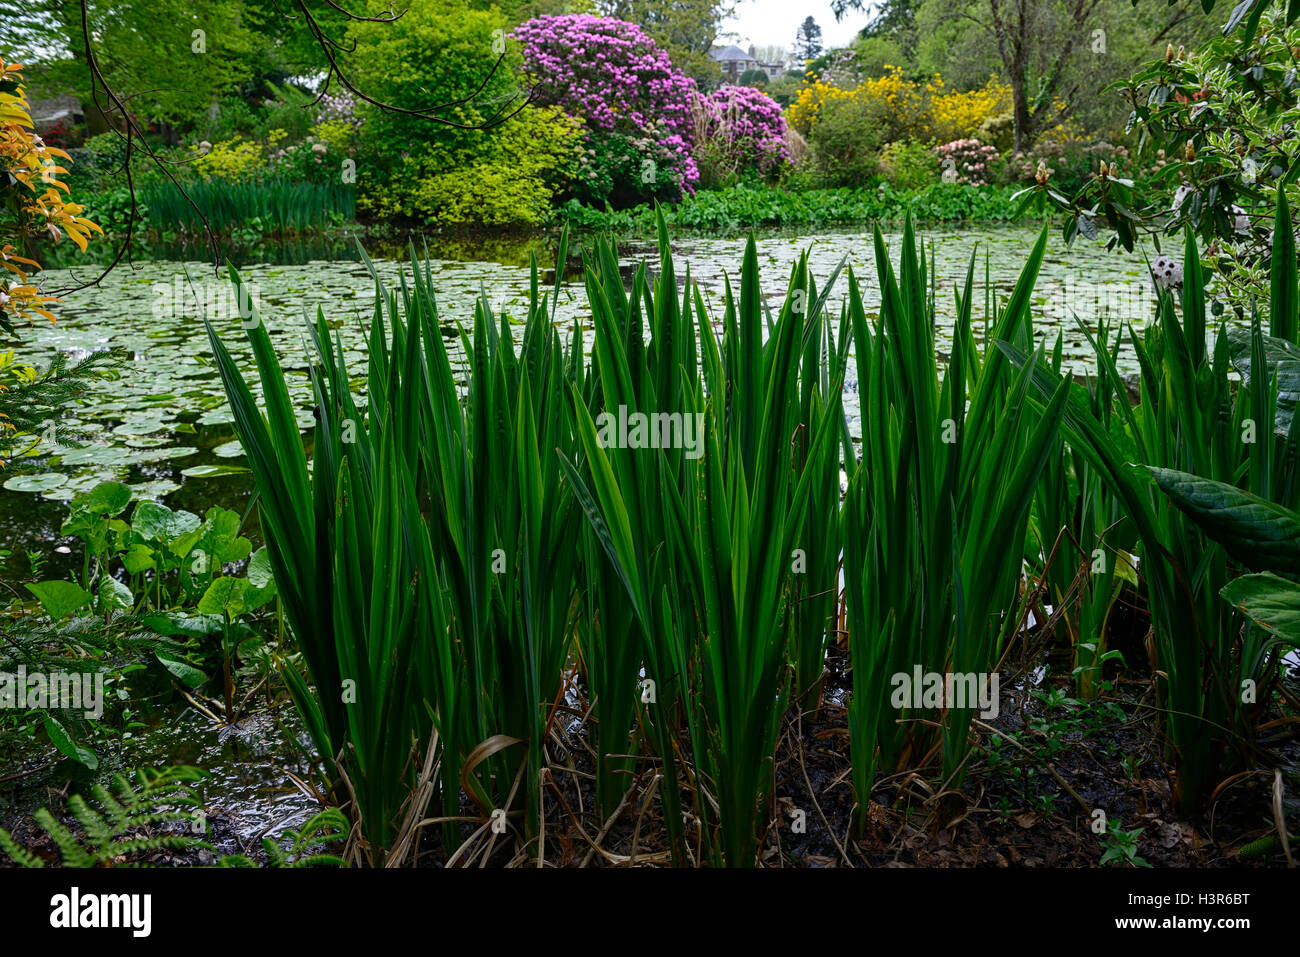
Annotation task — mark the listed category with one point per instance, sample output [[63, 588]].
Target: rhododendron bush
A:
[[739, 128], [967, 161], [636, 106]]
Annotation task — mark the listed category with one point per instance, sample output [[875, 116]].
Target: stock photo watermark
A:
[[58, 690]]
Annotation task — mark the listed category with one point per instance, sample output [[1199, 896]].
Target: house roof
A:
[[729, 53]]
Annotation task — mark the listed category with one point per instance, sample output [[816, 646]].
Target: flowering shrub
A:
[[958, 114], [636, 106], [896, 103], [337, 121], [906, 110], [310, 159], [739, 128], [338, 108], [969, 161]]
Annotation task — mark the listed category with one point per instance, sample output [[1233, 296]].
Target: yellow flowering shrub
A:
[[907, 110], [232, 159], [897, 99], [958, 114]]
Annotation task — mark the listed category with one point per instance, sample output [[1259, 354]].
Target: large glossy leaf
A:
[[1271, 602], [63, 740], [1260, 534]]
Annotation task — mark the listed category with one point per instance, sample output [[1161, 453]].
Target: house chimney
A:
[[751, 49]]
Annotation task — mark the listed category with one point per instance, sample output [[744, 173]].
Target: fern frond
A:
[[21, 856], [73, 853], [109, 839]]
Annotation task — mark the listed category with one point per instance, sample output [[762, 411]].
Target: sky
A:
[[774, 22]]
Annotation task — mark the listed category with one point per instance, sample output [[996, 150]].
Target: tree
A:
[[686, 29], [808, 41], [895, 21], [111, 49], [1050, 51], [753, 78]]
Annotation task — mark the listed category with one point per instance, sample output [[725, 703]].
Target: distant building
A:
[[55, 110], [734, 62]]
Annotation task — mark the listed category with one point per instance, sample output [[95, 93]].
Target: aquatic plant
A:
[[274, 205], [1189, 420], [936, 512]]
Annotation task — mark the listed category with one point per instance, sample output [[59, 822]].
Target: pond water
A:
[[164, 426]]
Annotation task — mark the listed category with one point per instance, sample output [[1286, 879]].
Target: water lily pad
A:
[[42, 482], [229, 450], [156, 489], [211, 471], [97, 455]]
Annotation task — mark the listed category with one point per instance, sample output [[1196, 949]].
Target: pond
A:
[[164, 426]]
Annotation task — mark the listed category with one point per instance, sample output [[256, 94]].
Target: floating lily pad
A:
[[211, 471], [43, 482]]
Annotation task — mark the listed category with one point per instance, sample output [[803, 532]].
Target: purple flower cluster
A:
[[969, 159], [611, 75], [747, 121]]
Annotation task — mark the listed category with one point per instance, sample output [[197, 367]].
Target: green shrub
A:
[[846, 142], [429, 57], [112, 209], [229, 117], [909, 165], [534, 157], [505, 174], [998, 131]]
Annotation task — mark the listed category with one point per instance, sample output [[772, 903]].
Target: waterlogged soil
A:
[[256, 784], [1033, 808], [1032, 804]]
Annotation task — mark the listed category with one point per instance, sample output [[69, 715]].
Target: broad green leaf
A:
[[212, 471], [225, 596], [62, 740], [43, 482], [169, 624], [138, 558], [1271, 602], [113, 594], [59, 598], [1260, 534], [106, 498], [182, 671], [259, 569]]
